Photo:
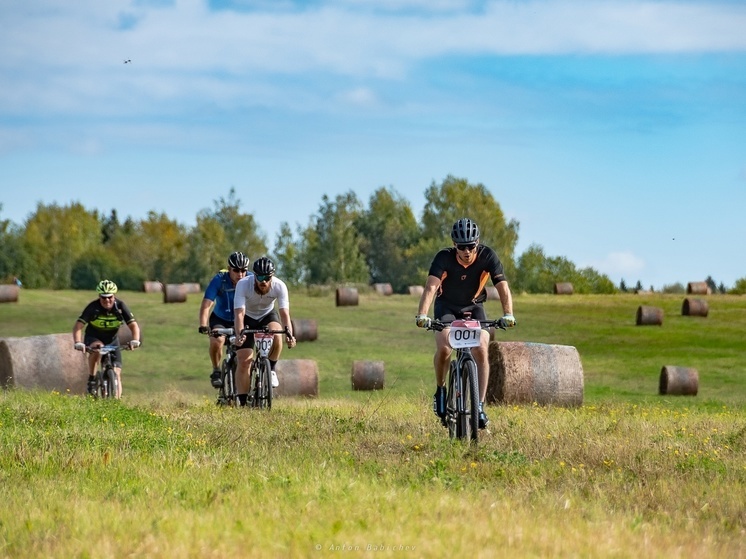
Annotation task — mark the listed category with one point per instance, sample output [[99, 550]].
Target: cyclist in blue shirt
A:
[[219, 296]]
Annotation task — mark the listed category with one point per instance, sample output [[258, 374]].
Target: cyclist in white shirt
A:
[[254, 307]]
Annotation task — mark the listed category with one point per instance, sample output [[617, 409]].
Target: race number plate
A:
[[465, 333], [263, 343]]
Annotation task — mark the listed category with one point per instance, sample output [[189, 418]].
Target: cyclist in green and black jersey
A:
[[101, 320]]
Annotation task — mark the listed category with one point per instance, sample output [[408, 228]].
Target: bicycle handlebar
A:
[[264, 330], [439, 326], [217, 332], [107, 348]]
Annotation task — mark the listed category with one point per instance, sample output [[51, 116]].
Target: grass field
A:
[[165, 473]]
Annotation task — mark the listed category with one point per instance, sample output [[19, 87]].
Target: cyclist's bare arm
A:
[[288, 325], [428, 294], [238, 317], [506, 299], [204, 312]]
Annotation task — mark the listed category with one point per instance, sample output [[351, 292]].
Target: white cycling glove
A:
[[508, 320], [423, 321], [134, 344], [79, 346]]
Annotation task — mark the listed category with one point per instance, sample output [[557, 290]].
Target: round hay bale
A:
[[152, 286], [298, 377], [9, 293], [416, 290], [304, 330], [46, 362], [367, 375], [678, 381], [697, 288], [174, 293], [383, 289], [492, 294], [192, 288], [647, 316], [563, 288], [695, 307], [526, 372], [347, 297]]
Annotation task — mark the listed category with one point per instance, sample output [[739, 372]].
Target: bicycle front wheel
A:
[[109, 384], [470, 391], [452, 395], [263, 388]]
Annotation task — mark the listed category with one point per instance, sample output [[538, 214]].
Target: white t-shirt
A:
[[258, 306]]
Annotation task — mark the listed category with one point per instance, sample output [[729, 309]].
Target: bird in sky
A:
[[127, 61]]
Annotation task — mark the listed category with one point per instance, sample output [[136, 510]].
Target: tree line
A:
[[345, 241]]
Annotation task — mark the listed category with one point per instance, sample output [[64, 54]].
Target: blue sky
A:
[[613, 131]]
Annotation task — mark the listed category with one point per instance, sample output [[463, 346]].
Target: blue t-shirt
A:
[[221, 290]]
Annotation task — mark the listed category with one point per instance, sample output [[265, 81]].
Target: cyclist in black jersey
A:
[[101, 319], [456, 281]]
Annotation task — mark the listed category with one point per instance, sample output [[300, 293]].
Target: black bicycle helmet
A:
[[465, 231], [264, 267], [238, 260]]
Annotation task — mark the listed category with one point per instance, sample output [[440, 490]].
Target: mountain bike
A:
[[462, 384], [107, 383], [227, 392], [260, 374]]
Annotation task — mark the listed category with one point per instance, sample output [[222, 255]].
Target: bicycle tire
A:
[[225, 391], [109, 383], [229, 383], [261, 383], [452, 415], [470, 391]]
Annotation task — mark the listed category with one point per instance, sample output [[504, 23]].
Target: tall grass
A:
[[166, 473]]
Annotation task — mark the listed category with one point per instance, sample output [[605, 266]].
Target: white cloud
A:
[[623, 264], [67, 57]]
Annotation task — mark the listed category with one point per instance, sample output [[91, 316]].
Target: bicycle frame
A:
[[260, 373], [227, 392], [107, 382], [462, 384]]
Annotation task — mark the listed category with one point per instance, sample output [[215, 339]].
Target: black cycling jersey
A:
[[103, 324], [462, 286]]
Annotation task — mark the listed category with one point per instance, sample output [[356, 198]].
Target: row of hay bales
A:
[[653, 316], [692, 288], [521, 372]]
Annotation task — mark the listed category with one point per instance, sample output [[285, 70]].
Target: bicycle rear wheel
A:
[[470, 391], [452, 415]]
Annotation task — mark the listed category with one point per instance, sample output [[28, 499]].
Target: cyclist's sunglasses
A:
[[260, 277], [240, 270], [467, 246]]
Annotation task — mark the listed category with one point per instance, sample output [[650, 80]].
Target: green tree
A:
[[739, 288], [241, 230], [54, 238], [288, 255], [208, 249], [388, 229], [11, 253], [155, 249], [332, 248], [455, 198], [537, 273]]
